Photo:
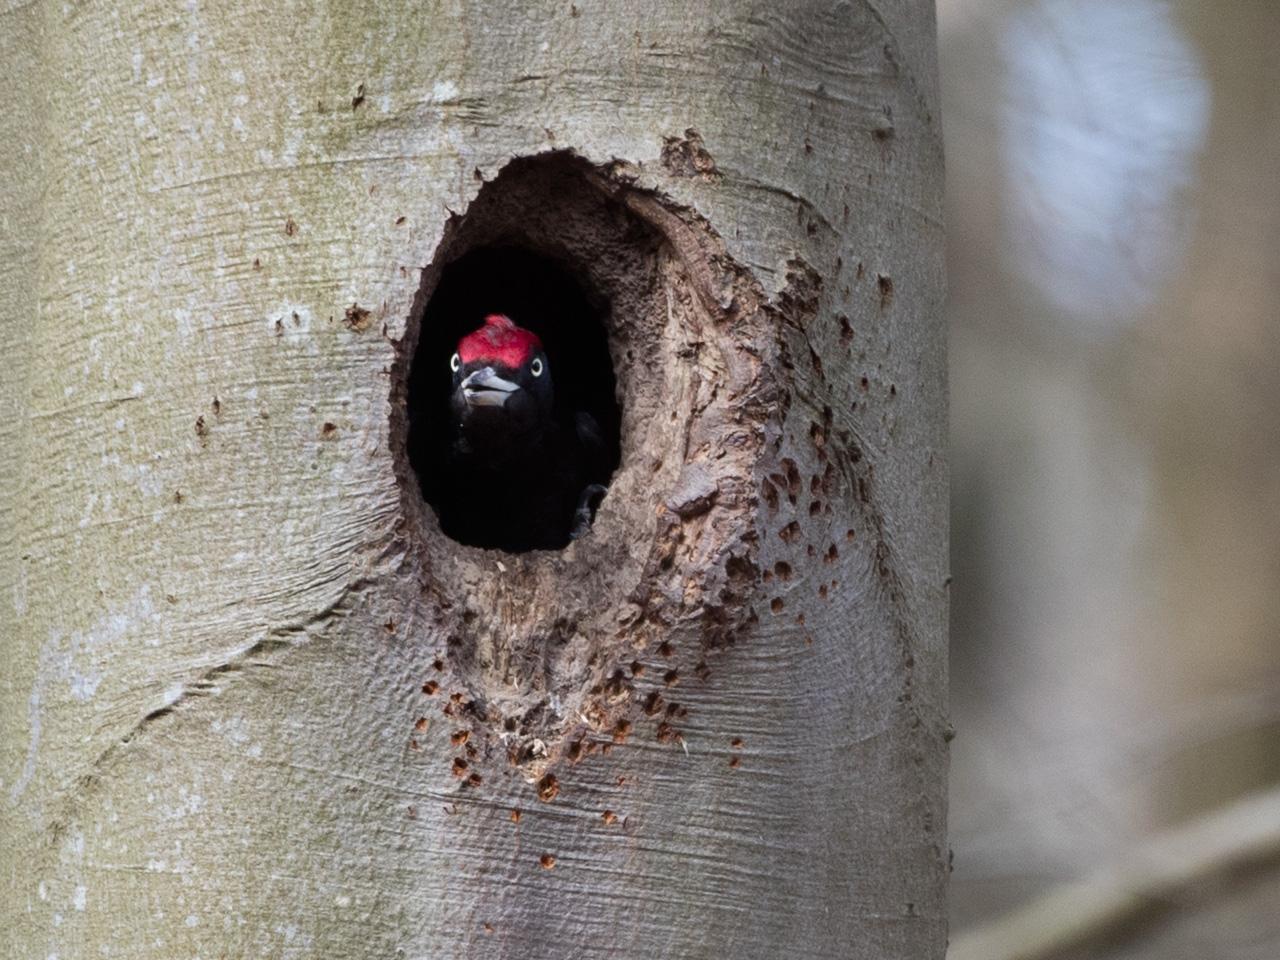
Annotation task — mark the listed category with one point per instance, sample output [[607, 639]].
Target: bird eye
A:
[[455, 363], [536, 367]]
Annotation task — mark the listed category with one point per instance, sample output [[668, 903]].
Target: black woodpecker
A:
[[522, 473]]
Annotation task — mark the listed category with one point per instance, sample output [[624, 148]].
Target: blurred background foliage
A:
[[1114, 228]]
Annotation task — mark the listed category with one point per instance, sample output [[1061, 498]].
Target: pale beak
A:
[[484, 388]]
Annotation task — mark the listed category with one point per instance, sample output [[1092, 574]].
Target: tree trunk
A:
[[256, 703]]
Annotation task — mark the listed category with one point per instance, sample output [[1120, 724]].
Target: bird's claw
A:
[[588, 503]]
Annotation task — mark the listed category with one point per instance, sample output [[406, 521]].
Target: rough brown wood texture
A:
[[254, 704]]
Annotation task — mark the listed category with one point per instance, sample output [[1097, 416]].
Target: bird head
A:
[[500, 373]]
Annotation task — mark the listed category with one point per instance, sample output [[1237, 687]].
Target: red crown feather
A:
[[499, 341]]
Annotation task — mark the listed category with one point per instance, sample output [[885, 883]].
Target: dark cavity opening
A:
[[520, 475]]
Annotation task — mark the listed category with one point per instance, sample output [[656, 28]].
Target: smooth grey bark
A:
[[242, 663]]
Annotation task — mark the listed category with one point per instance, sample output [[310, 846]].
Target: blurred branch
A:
[[1148, 882]]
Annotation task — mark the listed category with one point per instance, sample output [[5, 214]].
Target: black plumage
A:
[[521, 472]]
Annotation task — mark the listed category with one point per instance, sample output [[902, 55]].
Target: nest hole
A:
[[650, 328], [513, 469]]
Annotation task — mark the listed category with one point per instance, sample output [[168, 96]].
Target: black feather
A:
[[518, 476]]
